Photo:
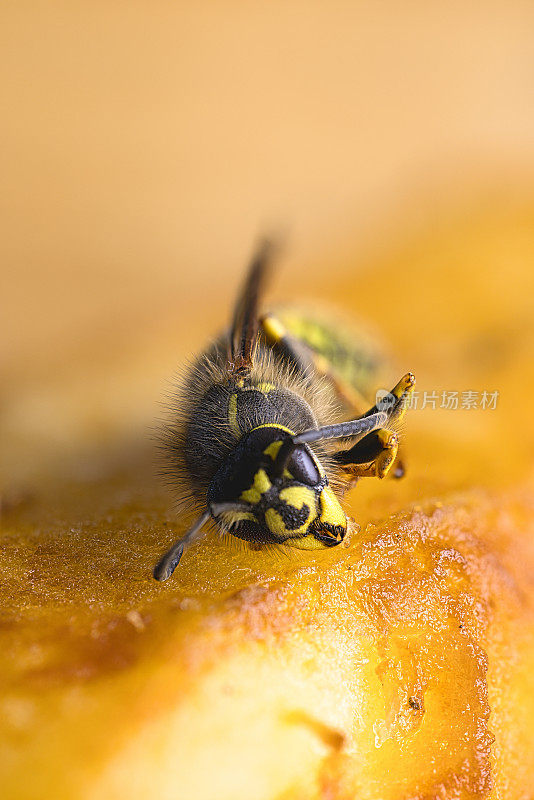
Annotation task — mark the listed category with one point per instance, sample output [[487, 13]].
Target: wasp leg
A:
[[371, 457], [398, 401], [374, 455], [395, 402]]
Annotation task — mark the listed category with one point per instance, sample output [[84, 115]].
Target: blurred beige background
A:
[[143, 148], [145, 145]]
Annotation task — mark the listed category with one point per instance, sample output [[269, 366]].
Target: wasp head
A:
[[274, 491]]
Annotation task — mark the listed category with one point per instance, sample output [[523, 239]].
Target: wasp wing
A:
[[245, 323]]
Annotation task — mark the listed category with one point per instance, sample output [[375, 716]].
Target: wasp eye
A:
[[303, 467]]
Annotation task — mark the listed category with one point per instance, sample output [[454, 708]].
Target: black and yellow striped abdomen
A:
[[336, 349]]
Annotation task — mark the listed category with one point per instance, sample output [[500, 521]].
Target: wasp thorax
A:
[[274, 493]]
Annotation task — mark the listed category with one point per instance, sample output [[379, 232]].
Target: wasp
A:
[[271, 426]]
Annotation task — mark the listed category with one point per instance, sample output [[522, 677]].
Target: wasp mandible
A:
[[270, 429]]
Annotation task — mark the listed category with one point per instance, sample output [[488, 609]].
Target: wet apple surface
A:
[[397, 665]]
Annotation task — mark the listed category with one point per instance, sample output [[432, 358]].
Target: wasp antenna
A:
[[168, 563], [355, 427]]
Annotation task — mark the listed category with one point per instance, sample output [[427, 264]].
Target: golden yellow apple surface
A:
[[398, 666]]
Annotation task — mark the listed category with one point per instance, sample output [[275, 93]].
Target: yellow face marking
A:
[[272, 449], [233, 517], [261, 481], [250, 496], [275, 523], [297, 496], [306, 543], [331, 511], [232, 415], [261, 484]]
